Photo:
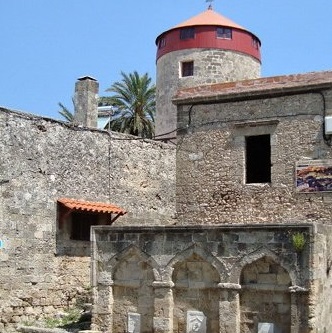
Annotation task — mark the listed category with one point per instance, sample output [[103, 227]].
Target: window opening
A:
[[255, 43], [162, 43], [187, 33], [225, 33], [81, 223], [258, 159], [187, 68]]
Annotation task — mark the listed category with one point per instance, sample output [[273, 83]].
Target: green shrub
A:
[[298, 241]]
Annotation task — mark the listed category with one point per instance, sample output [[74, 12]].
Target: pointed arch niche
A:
[[195, 288], [132, 291], [265, 298]]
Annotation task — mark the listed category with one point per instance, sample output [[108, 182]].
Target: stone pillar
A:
[[299, 309], [229, 308], [86, 102], [102, 310], [163, 307]]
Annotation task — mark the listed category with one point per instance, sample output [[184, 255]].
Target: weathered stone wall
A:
[[210, 66], [237, 276], [321, 307], [43, 160], [211, 185]]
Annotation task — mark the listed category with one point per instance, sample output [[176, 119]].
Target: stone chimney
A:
[[86, 101]]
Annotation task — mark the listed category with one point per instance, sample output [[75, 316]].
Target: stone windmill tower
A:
[[208, 48]]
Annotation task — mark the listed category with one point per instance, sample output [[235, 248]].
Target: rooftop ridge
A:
[[273, 84]]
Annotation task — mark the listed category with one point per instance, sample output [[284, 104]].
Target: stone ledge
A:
[[234, 286], [163, 284], [33, 329], [265, 286], [297, 289]]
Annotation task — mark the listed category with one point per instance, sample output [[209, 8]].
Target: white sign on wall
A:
[[134, 322], [266, 328], [196, 322]]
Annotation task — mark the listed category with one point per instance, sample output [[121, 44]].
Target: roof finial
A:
[[210, 5]]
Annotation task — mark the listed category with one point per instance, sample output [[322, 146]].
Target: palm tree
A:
[[134, 99], [65, 113]]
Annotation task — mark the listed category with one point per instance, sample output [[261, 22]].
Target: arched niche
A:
[[195, 289], [199, 251], [260, 253], [265, 298], [132, 290]]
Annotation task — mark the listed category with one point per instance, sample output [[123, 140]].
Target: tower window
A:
[[187, 33], [187, 68], [225, 33], [255, 43], [258, 159], [162, 43]]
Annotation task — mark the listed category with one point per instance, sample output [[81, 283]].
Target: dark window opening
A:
[[187, 33], [225, 33], [162, 43], [81, 224], [258, 159], [255, 43], [187, 68]]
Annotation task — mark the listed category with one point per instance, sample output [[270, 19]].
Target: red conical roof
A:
[[209, 17], [205, 23]]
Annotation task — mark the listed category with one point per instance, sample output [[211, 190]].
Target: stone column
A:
[[229, 308], [102, 310], [163, 307], [299, 315], [86, 102]]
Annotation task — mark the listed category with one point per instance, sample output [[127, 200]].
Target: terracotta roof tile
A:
[[90, 206]]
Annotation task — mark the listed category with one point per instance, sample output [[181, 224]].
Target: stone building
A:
[[251, 251], [235, 237], [242, 147]]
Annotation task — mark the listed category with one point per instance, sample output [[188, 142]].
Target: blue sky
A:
[[47, 44]]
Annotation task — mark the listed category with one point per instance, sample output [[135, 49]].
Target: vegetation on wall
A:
[[298, 241]]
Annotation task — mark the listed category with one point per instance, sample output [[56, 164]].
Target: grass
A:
[[72, 316]]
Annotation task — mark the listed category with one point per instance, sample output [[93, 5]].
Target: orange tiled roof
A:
[[209, 17], [89, 206]]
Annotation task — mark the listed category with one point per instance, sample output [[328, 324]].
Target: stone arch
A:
[[204, 254], [196, 275], [129, 251], [260, 253], [265, 296], [133, 276]]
